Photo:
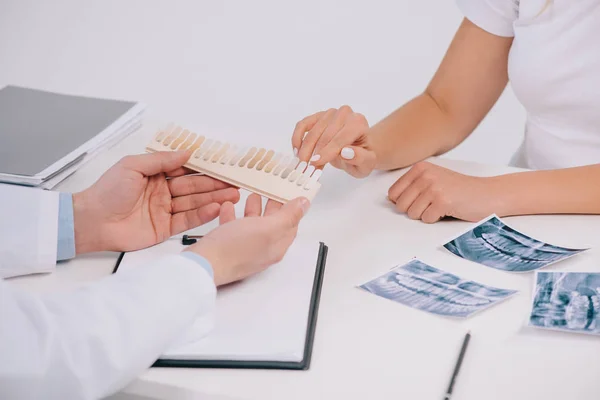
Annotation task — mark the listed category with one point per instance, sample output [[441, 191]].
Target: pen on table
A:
[[463, 350], [190, 239]]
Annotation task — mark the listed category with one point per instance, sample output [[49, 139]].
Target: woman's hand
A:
[[338, 137], [429, 193], [243, 247]]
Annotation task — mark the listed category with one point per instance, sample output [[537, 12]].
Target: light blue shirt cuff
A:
[[204, 263], [66, 228]]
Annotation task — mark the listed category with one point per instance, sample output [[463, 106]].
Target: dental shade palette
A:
[[274, 175]]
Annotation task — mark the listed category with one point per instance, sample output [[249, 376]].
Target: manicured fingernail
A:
[[347, 153], [295, 152], [314, 158]]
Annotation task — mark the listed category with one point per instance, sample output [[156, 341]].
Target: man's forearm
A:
[[563, 191], [416, 131]]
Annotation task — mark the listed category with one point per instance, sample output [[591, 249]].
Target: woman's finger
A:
[[403, 183], [307, 148], [349, 134], [335, 125], [418, 207], [406, 199], [432, 214], [302, 127]]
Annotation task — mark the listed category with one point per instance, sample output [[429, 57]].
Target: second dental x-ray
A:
[[426, 288], [494, 244], [567, 301]]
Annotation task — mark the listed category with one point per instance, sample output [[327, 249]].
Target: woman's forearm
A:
[[563, 191], [468, 82], [414, 132]]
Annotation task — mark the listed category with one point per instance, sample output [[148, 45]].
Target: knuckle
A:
[[420, 166], [346, 109], [436, 191], [441, 201], [360, 119], [426, 179], [428, 175], [312, 137]]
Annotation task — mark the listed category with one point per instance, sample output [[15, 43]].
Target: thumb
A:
[[155, 163], [292, 212]]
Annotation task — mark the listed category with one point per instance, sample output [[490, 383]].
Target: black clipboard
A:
[[248, 364]]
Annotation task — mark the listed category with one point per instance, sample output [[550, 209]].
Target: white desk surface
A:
[[369, 347]]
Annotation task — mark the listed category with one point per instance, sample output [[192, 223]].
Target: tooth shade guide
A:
[[162, 134], [172, 136], [188, 142], [180, 139], [205, 147], [260, 170], [247, 157], [290, 167], [197, 143], [297, 172], [259, 155], [238, 156], [213, 149], [281, 166], [219, 154], [273, 163], [306, 175], [265, 160], [230, 153]]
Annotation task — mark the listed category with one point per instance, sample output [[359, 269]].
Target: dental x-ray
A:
[[426, 288], [567, 301], [494, 244]]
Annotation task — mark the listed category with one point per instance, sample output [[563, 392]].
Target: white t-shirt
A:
[[554, 70]]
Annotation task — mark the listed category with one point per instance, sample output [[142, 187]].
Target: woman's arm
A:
[[562, 191], [469, 81], [429, 192]]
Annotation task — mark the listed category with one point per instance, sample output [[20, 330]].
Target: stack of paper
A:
[[45, 136]]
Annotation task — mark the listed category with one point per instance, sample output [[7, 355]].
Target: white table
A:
[[368, 347]]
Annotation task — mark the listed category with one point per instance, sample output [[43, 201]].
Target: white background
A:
[[237, 69]]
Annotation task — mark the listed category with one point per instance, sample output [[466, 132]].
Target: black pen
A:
[[463, 350], [190, 239]]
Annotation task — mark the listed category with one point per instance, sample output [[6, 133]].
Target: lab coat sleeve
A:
[[91, 342], [28, 230]]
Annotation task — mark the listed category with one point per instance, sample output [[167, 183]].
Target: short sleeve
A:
[[494, 16]]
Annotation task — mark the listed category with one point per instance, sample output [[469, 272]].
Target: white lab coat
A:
[[90, 342]]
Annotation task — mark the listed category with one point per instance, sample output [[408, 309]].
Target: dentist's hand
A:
[[243, 247], [336, 136], [133, 205]]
